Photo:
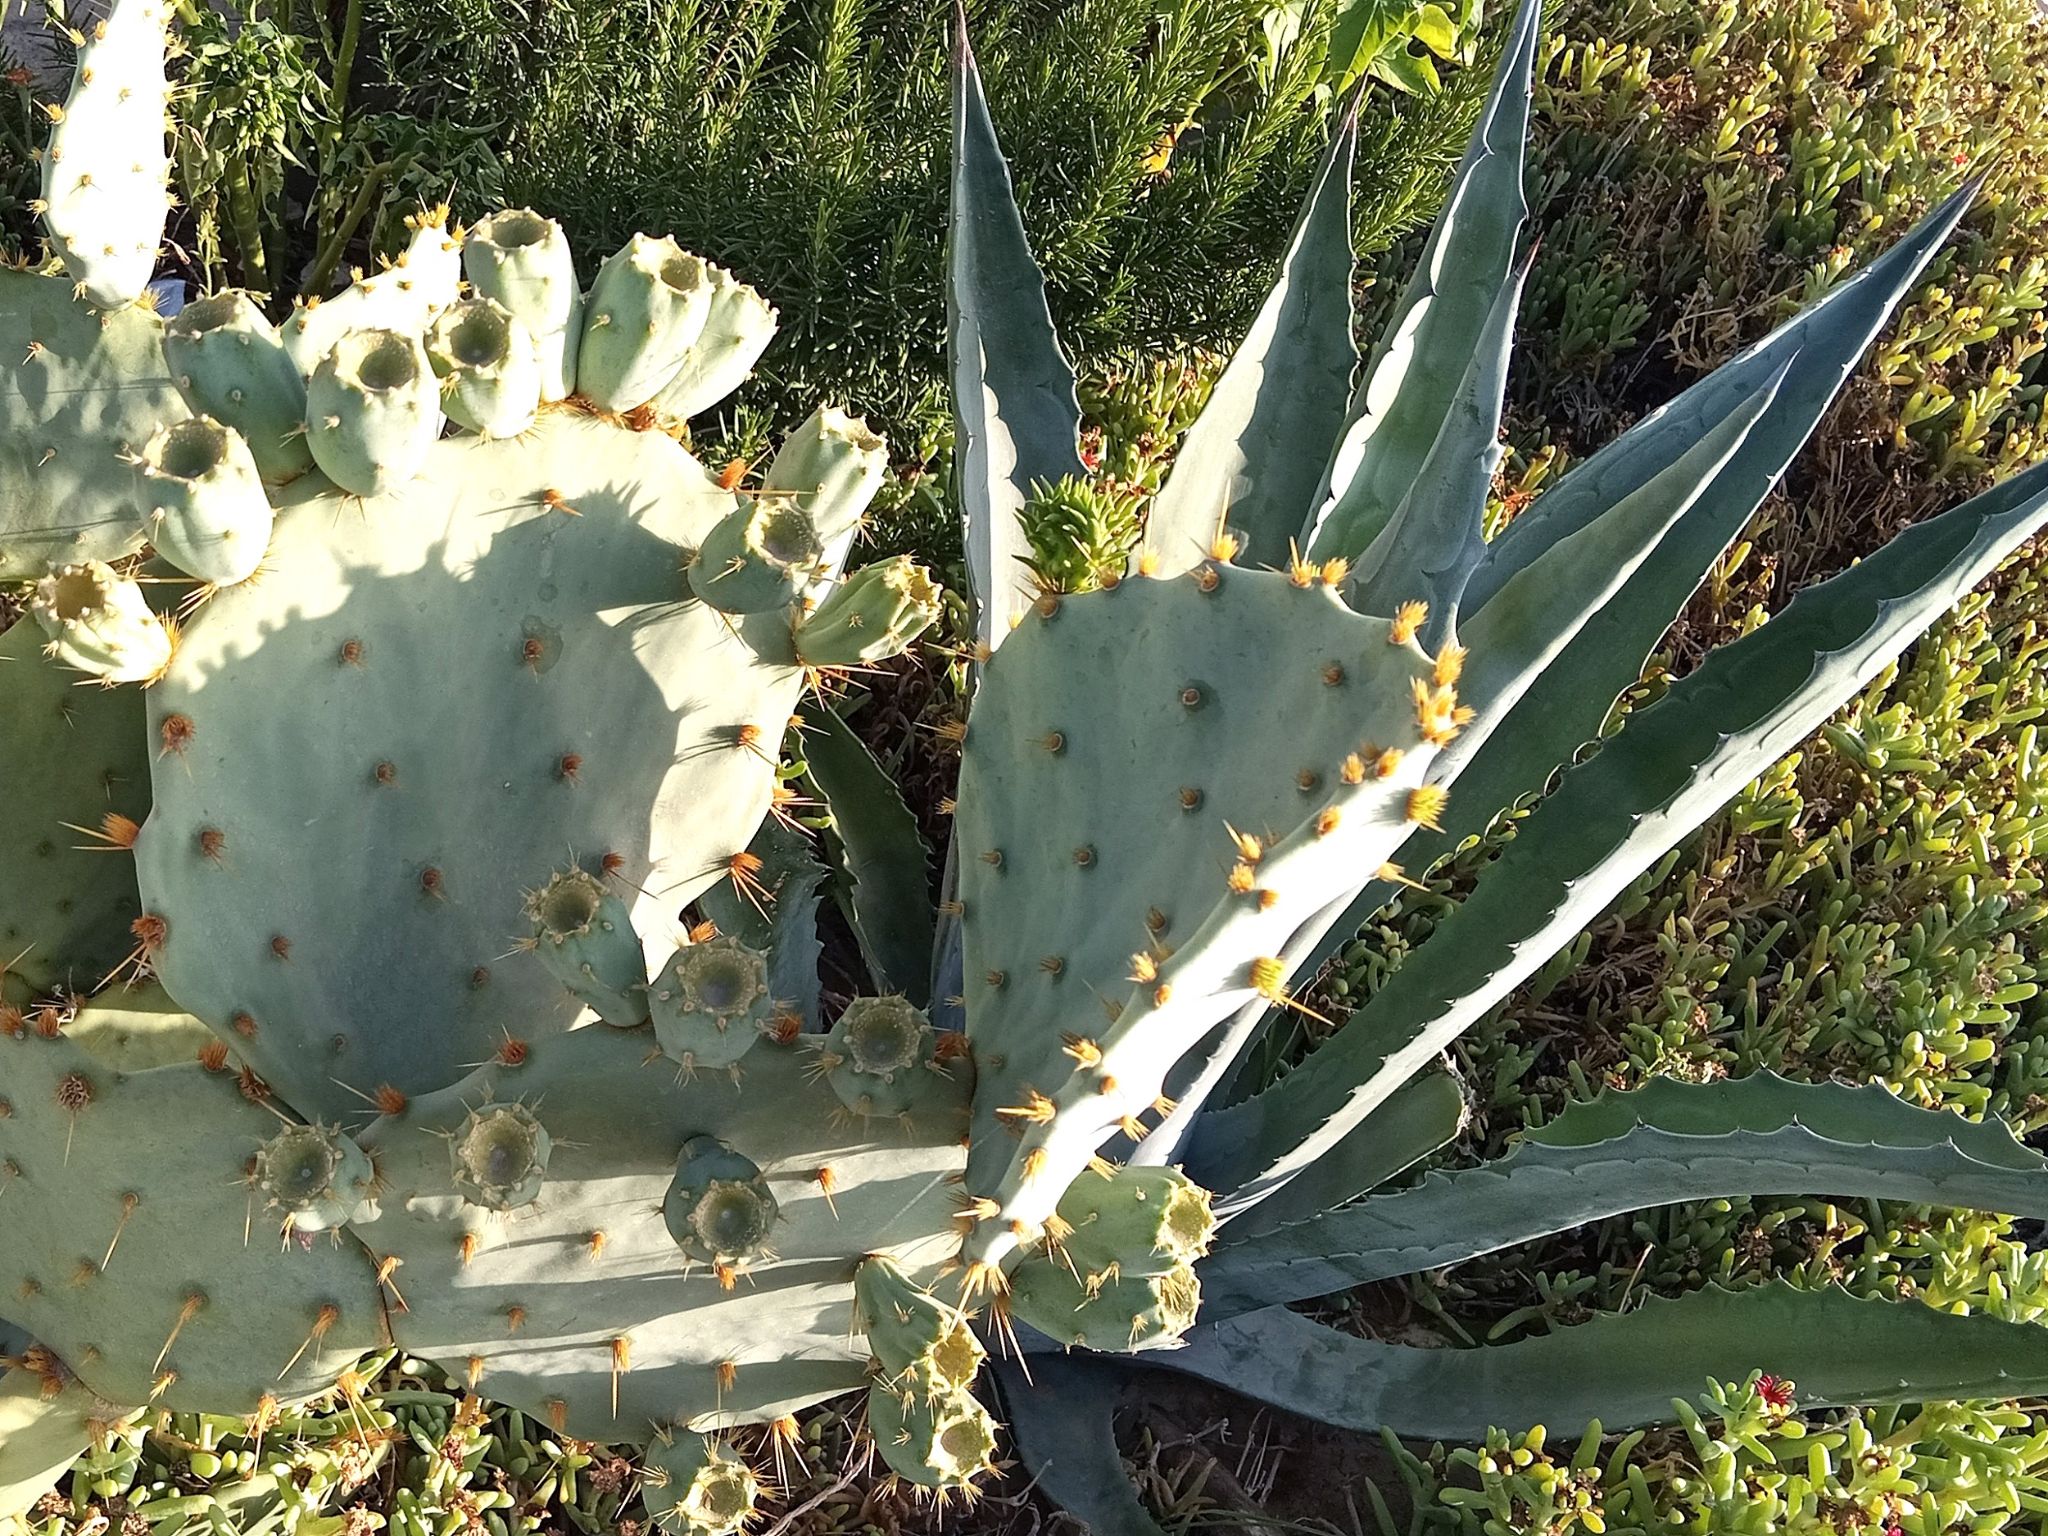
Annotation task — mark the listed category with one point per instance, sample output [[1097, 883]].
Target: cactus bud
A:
[[710, 1002], [207, 513], [921, 1342], [373, 409], [877, 1047], [584, 936], [100, 623], [832, 466], [523, 262], [718, 1208], [500, 1156], [695, 1487], [757, 558], [644, 313], [737, 329], [934, 1442], [489, 370], [318, 1177], [230, 363], [873, 615], [1102, 1309], [1137, 1220]]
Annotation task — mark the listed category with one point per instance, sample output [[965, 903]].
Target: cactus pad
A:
[[128, 1252], [75, 758], [1148, 809], [365, 760], [80, 394], [581, 1309]]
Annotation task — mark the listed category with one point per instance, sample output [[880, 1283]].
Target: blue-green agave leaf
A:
[[1016, 420], [885, 857], [1412, 380], [1255, 448], [1563, 707], [1679, 760], [1624, 1369], [1061, 1415], [1421, 1117], [1665, 1142]]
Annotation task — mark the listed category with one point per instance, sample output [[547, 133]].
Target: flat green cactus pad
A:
[[579, 1307], [424, 704], [79, 389], [44, 1428], [75, 753], [1125, 746], [138, 1027], [127, 1248]]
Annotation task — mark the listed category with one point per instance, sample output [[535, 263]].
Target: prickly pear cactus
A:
[[355, 997]]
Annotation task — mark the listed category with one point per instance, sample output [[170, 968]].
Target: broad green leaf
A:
[[1428, 548], [1016, 420], [1666, 1142], [1564, 706], [1423, 1115], [1679, 760], [1623, 1369], [1254, 449], [1415, 370], [1060, 1415], [885, 856]]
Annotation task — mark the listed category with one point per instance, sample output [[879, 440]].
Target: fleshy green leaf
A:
[[1662, 1143], [1277, 407], [1016, 419], [1623, 1369], [1415, 371], [1679, 760], [1422, 1116], [885, 856], [1563, 707], [1061, 1420]]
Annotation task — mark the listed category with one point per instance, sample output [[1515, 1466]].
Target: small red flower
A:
[[1776, 1391]]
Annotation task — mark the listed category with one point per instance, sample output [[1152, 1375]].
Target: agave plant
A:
[[1234, 848]]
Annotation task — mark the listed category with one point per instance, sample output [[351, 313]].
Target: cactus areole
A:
[[452, 696]]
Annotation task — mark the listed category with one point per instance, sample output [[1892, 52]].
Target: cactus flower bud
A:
[[100, 623], [207, 513], [872, 615]]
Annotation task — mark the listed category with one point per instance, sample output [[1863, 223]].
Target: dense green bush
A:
[[1160, 150]]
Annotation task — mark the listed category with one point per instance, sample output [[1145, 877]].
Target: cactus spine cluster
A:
[[458, 686]]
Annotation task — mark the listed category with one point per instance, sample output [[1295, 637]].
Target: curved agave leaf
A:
[[1280, 403], [1422, 1116], [1623, 1369], [1563, 707], [1430, 546], [885, 856], [1016, 419], [1412, 381], [1060, 1416], [1679, 760], [1661, 1143]]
